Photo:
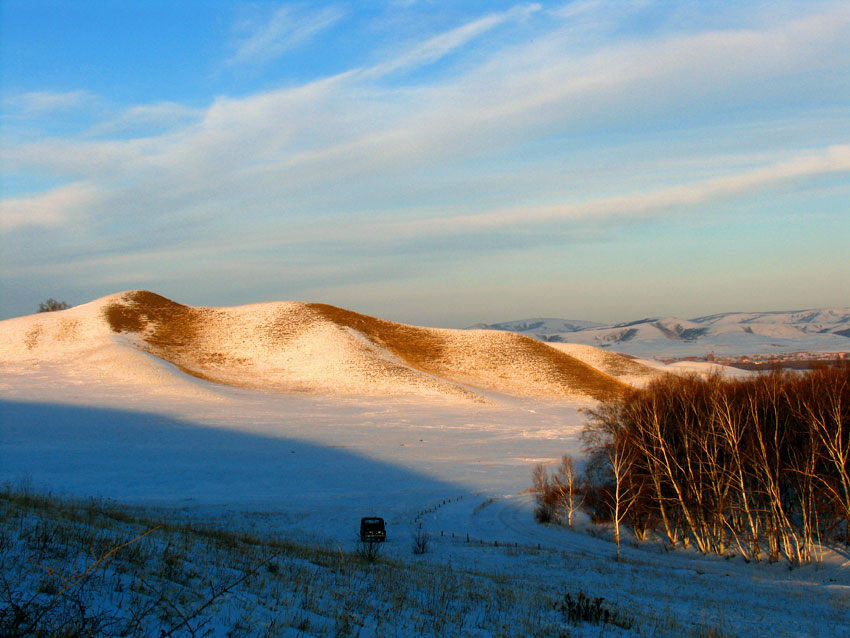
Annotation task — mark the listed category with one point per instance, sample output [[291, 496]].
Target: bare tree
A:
[[545, 511], [744, 522], [606, 435], [829, 420], [622, 456], [570, 497], [761, 464]]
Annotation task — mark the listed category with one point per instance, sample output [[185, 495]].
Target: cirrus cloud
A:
[[286, 29]]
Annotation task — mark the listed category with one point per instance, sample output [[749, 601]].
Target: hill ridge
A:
[[304, 347]]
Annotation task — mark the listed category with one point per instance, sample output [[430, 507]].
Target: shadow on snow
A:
[[148, 458]]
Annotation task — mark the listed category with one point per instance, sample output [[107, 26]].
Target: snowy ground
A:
[[237, 448], [310, 466]]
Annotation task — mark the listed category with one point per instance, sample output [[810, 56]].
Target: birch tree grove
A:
[[759, 467]]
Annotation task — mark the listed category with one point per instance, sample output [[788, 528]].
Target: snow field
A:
[[168, 577], [245, 578], [305, 469]]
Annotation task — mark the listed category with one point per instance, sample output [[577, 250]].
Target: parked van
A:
[[372, 529]]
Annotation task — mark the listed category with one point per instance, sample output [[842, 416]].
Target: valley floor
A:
[[300, 471]]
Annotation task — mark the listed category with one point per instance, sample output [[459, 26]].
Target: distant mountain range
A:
[[732, 333]]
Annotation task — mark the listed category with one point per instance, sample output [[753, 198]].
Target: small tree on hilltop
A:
[[51, 305]]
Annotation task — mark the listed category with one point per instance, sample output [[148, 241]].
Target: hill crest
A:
[[304, 347]]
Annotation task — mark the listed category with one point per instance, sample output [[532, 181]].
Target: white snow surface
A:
[[84, 412]]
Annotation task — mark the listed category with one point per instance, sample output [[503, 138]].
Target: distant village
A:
[[793, 360]]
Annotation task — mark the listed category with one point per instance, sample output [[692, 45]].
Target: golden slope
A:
[[317, 347], [488, 359], [611, 363]]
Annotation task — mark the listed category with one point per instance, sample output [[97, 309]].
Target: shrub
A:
[[420, 542], [368, 550], [558, 495], [543, 513], [583, 608], [51, 305]]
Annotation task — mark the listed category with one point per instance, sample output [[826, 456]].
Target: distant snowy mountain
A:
[[733, 333], [829, 321], [539, 326]]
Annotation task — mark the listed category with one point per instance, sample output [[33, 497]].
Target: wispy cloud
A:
[[37, 103], [286, 29], [597, 15], [335, 135], [835, 159], [159, 116], [443, 44], [54, 208]]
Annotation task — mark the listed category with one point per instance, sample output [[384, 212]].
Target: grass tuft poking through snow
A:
[[93, 568]]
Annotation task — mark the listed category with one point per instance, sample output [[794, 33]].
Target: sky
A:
[[436, 163]]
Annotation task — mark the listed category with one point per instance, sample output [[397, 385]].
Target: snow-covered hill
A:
[[825, 330], [141, 337]]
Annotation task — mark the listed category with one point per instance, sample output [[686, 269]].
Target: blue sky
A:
[[439, 163]]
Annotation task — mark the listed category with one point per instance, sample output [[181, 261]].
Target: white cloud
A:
[[321, 146], [56, 207], [158, 116], [835, 159], [594, 16], [443, 44], [286, 29], [37, 103]]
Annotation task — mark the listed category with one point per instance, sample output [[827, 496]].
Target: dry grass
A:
[[89, 568], [617, 365], [32, 337], [172, 325], [418, 347], [170, 330], [68, 330], [477, 357], [611, 363]]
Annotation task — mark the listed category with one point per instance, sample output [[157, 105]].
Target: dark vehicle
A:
[[372, 529]]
